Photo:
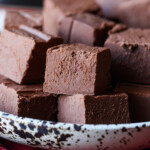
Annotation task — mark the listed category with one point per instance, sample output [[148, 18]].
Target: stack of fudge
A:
[[22, 67], [80, 73], [70, 63], [130, 53]]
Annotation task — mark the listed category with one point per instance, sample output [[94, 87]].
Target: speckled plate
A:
[[45, 134]]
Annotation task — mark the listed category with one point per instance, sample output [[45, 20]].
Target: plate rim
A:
[[38, 122]]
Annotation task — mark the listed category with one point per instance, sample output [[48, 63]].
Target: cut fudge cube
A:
[[57, 9], [17, 18], [77, 69], [103, 109], [135, 13], [27, 100], [85, 28], [65, 28], [139, 100], [23, 54], [118, 28], [130, 55], [110, 7]]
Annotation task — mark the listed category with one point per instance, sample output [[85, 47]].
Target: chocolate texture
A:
[[77, 69], [102, 109], [135, 13], [139, 100], [27, 100], [23, 54], [85, 28], [54, 10], [130, 52], [13, 19]]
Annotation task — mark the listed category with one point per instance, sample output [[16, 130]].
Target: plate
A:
[[46, 134]]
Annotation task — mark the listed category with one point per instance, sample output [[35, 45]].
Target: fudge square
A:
[[27, 100], [54, 10], [23, 54], [130, 52], [139, 100], [85, 28], [17, 18], [102, 109], [135, 13], [77, 69]]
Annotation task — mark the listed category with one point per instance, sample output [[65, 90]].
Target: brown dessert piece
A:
[[130, 52], [118, 28], [135, 13], [17, 18], [85, 28], [65, 28], [103, 109], [77, 69], [27, 100], [110, 7], [139, 100], [54, 10], [23, 54]]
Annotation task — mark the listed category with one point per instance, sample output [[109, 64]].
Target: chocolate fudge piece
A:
[[27, 100], [130, 55], [65, 28], [139, 100], [77, 69], [57, 9], [23, 54], [110, 7], [118, 28], [17, 18], [103, 109], [135, 13], [85, 28]]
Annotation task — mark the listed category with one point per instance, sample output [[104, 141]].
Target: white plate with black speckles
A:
[[45, 134]]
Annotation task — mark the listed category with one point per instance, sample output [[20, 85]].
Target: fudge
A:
[[118, 28], [27, 100], [103, 109], [65, 28], [57, 9], [135, 13], [23, 54], [17, 18], [139, 100], [77, 69], [130, 52], [84, 28], [110, 7]]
